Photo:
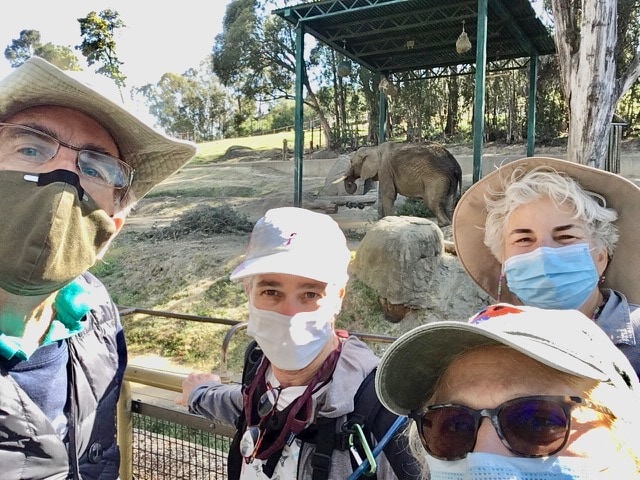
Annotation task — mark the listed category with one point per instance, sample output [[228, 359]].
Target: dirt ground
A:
[[247, 183], [182, 274]]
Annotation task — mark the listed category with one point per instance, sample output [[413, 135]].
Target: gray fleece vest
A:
[[29, 447]]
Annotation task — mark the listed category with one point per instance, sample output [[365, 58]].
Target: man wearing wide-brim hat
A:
[[72, 164], [556, 234]]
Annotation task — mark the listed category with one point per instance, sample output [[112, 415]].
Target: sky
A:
[[160, 36]]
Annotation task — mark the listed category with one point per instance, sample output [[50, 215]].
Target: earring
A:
[[500, 277], [601, 279]]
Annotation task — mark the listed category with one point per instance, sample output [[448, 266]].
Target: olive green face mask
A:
[[50, 231]]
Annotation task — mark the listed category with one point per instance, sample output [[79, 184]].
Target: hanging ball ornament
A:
[[463, 45], [344, 68]]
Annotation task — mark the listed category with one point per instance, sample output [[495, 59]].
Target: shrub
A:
[[414, 207], [202, 219]]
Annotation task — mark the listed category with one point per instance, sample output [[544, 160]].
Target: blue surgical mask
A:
[[483, 466], [557, 278]]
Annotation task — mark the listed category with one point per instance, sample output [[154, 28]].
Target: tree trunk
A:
[[369, 82], [336, 111], [586, 40], [588, 66], [315, 105], [452, 105], [341, 95]]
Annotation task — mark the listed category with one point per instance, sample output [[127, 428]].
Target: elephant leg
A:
[[368, 185], [450, 205], [388, 198], [435, 200], [441, 216]]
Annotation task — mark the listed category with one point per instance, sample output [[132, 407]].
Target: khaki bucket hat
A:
[[152, 154], [623, 271], [565, 340]]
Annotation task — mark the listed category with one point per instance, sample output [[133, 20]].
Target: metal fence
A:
[[161, 443], [172, 445]]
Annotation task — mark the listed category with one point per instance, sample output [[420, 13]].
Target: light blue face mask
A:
[[483, 466], [557, 278]]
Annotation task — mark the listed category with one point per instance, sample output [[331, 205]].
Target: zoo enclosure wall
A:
[[626, 164]]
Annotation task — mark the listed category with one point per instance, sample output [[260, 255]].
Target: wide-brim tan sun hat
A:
[[565, 340], [623, 271], [153, 155]]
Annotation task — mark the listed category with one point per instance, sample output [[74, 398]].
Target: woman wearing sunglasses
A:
[[555, 234], [515, 393]]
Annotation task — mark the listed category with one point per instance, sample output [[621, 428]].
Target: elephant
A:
[[428, 171]]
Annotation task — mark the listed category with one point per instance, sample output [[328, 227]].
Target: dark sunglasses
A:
[[254, 434], [535, 426]]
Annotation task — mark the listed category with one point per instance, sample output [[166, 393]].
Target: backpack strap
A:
[[326, 439], [368, 412], [376, 421], [252, 358], [366, 403], [365, 408], [325, 444]]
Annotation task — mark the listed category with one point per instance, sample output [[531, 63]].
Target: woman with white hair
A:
[[555, 234]]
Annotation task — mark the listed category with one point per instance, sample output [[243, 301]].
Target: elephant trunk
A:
[[350, 185]]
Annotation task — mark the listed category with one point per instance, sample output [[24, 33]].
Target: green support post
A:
[[481, 67], [531, 117], [382, 136], [298, 145]]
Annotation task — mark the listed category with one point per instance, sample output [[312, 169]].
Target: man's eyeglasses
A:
[[533, 426], [253, 435], [27, 144]]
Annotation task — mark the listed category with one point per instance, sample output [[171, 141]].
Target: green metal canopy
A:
[[413, 39], [392, 36]]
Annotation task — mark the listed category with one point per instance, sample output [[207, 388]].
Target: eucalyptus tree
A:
[[369, 82], [453, 103], [551, 109], [192, 103], [98, 43], [29, 44], [597, 68], [341, 93], [255, 55]]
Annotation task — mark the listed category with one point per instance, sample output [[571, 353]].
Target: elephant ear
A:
[[371, 164]]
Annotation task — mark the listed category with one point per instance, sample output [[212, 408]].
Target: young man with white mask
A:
[[304, 374], [72, 164]]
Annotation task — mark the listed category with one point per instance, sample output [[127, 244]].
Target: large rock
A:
[[403, 260]]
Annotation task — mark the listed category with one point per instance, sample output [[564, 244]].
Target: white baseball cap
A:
[[298, 242]]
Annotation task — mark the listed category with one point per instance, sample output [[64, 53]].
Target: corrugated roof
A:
[[393, 36]]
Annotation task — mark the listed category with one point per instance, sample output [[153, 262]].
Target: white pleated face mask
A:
[[485, 466], [291, 342]]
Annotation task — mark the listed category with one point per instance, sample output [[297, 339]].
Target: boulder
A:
[[404, 260]]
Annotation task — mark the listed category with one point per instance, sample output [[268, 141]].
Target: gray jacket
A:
[[621, 321], [29, 446], [223, 403]]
